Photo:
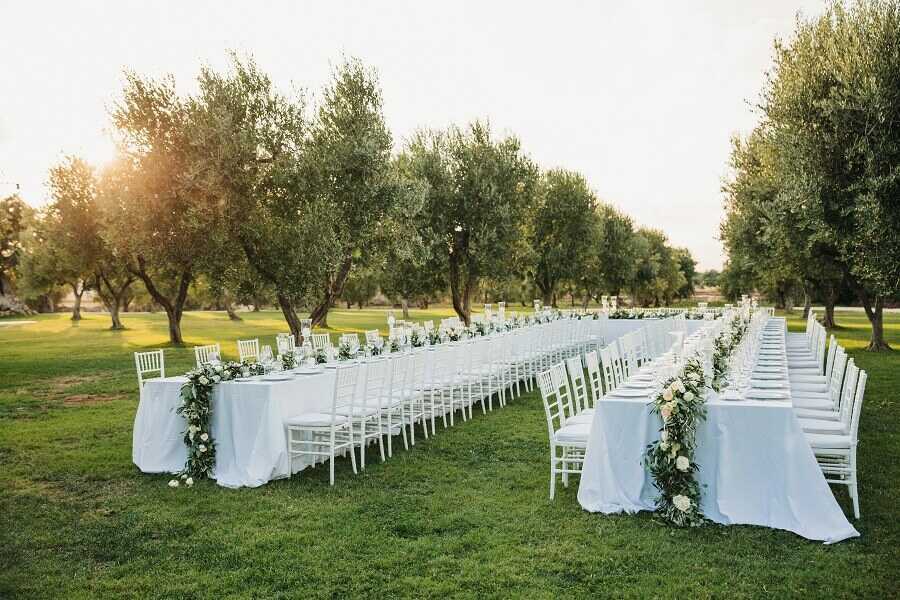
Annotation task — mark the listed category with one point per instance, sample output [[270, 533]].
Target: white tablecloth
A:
[[754, 460], [247, 425]]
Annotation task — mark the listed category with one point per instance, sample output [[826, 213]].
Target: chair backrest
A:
[[848, 392], [618, 371], [606, 363], [837, 378], [248, 349], [285, 342], [564, 393], [149, 362], [344, 388], [829, 362], [373, 338], [378, 382], [857, 406], [554, 407], [321, 341], [579, 386], [202, 353], [594, 377], [351, 339], [429, 325], [820, 347]]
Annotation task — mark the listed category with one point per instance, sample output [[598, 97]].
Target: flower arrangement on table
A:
[[345, 352], [395, 345], [670, 460], [416, 340], [434, 337], [481, 328], [196, 408], [321, 356], [289, 360]]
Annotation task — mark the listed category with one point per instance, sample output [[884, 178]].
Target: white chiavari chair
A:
[[351, 340], [321, 341], [581, 413], [365, 413], [323, 435], [248, 350], [153, 361], [203, 354], [837, 453], [595, 376], [285, 343], [567, 441]]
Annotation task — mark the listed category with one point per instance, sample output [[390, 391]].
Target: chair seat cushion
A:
[[580, 419], [357, 411], [576, 433], [314, 420], [823, 426], [807, 389], [824, 441], [823, 403], [813, 413]]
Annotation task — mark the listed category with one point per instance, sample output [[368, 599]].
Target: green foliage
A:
[[477, 193], [563, 231]]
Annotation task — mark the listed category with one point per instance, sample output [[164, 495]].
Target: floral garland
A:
[[321, 356], [723, 346], [196, 407], [670, 460], [434, 337]]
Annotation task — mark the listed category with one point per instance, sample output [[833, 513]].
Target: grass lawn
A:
[[465, 514]]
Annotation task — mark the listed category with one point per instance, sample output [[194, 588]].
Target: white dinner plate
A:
[[755, 394], [308, 370], [625, 392], [274, 377], [767, 384]]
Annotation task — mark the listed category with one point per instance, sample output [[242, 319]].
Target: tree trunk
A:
[[228, 303], [113, 298], [875, 313], [290, 315], [78, 291], [456, 293], [830, 300], [319, 315], [585, 300], [113, 308], [174, 307], [404, 303]]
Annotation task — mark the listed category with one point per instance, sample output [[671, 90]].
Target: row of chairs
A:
[[421, 386], [827, 391], [570, 398]]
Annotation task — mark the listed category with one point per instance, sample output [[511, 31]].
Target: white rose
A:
[[664, 446], [204, 380], [688, 396], [667, 395], [202, 448], [682, 503], [189, 481], [204, 436], [173, 483], [682, 463], [680, 384]]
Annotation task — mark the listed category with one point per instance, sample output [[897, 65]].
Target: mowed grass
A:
[[465, 514]]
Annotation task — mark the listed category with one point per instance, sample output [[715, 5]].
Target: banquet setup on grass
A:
[[701, 415]]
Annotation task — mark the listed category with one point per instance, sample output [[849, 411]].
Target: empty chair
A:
[[351, 340], [285, 343], [592, 363], [321, 341], [322, 435], [579, 389], [365, 414], [836, 453], [567, 441], [248, 350], [206, 354], [149, 362], [373, 338]]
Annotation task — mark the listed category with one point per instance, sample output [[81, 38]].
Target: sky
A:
[[640, 97]]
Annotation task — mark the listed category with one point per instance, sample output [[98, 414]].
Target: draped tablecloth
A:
[[247, 425], [754, 460]]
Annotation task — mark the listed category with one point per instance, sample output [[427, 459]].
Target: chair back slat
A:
[[248, 350], [202, 353]]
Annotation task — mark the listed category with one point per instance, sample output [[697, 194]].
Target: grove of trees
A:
[[813, 205], [239, 193]]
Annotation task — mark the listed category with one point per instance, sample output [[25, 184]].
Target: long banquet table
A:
[[248, 418], [755, 464]]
